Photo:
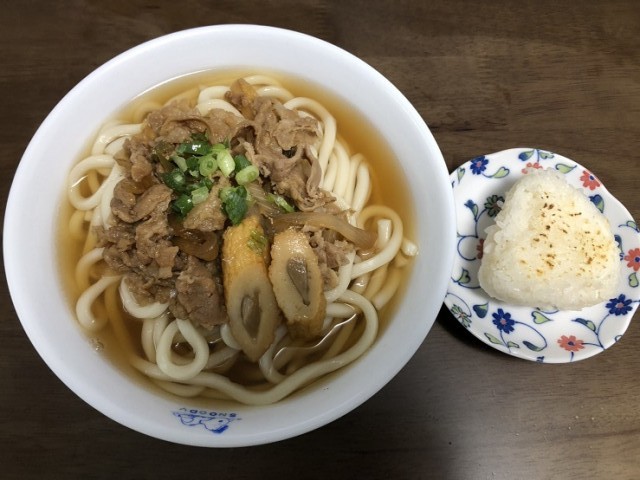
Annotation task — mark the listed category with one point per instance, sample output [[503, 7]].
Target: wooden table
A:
[[486, 76]]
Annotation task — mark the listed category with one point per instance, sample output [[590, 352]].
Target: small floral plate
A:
[[479, 187]]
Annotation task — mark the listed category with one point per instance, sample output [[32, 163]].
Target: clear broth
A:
[[388, 188]]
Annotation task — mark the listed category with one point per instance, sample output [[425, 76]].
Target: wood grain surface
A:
[[554, 74]]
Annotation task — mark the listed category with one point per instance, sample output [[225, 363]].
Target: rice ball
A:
[[550, 247]]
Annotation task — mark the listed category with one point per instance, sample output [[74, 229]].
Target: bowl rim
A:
[[14, 239]]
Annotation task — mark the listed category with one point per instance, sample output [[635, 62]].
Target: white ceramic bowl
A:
[[30, 247]]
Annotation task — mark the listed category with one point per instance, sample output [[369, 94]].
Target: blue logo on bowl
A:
[[215, 422]]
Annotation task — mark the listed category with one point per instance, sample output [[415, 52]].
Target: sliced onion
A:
[[203, 245], [359, 237], [266, 206]]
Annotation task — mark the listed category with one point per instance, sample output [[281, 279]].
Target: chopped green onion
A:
[[204, 182], [207, 165], [257, 242], [217, 148], [183, 204], [225, 162], [234, 203], [224, 193], [207, 182], [241, 162], [180, 162], [199, 195], [196, 147], [193, 165], [281, 202], [175, 180], [247, 175]]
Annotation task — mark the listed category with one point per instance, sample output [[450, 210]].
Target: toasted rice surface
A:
[[550, 247]]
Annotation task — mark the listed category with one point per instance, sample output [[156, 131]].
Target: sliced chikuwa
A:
[[251, 304], [297, 283]]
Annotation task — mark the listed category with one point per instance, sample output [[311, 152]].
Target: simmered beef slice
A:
[[282, 146], [153, 247], [208, 215], [331, 252], [118, 242], [131, 206], [147, 290], [198, 295], [141, 167], [139, 242], [176, 122]]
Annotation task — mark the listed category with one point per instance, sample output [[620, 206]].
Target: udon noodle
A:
[[191, 359]]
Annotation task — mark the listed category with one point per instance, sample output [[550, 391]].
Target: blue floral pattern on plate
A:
[[479, 188]]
